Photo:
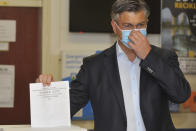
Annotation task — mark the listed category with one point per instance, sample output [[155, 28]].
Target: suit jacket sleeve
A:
[[163, 65], [79, 90]]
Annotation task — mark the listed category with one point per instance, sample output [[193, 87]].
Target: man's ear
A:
[[114, 26]]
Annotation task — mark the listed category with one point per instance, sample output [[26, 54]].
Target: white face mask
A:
[[126, 33]]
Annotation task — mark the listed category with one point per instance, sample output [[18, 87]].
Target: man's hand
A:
[[140, 44], [46, 79]]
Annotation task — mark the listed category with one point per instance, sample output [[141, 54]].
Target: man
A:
[[129, 84]]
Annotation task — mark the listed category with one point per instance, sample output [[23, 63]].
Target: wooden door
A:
[[25, 55]]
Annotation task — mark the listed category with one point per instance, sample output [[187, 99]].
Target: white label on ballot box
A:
[[50, 105]]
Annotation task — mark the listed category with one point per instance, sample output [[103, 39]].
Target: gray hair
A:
[[121, 6]]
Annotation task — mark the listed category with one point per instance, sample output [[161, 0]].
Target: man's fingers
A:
[[46, 79], [135, 37], [43, 79], [136, 34], [132, 45], [132, 38], [40, 78], [49, 79], [37, 80]]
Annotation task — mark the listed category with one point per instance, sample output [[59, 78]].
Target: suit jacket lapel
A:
[[111, 65], [143, 102]]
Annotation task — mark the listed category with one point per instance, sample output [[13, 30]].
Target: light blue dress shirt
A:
[[130, 81]]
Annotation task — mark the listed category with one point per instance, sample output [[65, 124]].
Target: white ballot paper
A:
[[50, 105]]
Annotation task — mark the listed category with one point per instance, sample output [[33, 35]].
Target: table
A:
[[29, 128]]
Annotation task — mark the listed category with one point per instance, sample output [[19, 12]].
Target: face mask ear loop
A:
[[119, 29], [146, 27], [117, 26]]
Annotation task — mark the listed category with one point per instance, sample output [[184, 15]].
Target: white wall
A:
[[57, 38]]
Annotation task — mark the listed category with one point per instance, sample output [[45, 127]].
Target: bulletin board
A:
[[25, 55]]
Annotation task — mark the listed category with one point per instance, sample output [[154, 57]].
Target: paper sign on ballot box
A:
[[50, 105]]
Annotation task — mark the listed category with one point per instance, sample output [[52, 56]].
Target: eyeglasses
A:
[[128, 26]]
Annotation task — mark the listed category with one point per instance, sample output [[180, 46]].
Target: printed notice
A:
[[7, 30], [7, 75], [4, 46], [50, 105], [187, 65]]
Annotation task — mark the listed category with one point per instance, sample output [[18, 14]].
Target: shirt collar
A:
[[119, 51]]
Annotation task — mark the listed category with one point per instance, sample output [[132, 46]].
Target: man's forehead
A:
[[132, 13], [133, 17]]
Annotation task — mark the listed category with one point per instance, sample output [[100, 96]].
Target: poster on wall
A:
[[7, 30], [7, 80], [71, 63], [178, 31]]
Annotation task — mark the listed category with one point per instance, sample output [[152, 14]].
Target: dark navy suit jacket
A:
[[160, 80]]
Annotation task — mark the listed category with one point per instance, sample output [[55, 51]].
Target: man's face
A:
[[130, 21]]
